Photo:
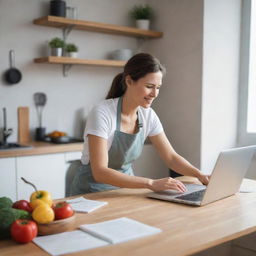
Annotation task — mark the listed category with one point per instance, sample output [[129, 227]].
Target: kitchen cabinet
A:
[[68, 24], [8, 178], [47, 172]]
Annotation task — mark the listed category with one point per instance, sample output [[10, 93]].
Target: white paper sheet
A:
[[81, 204], [248, 186], [119, 230], [68, 242]]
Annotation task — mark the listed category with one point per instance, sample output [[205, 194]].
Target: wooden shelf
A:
[[60, 22], [67, 61]]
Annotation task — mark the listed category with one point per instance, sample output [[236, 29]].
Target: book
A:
[[90, 236], [81, 204]]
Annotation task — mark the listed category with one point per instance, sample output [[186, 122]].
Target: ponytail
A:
[[136, 67], [117, 88]]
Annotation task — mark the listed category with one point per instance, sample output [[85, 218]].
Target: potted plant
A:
[[142, 14], [71, 50], [57, 45]]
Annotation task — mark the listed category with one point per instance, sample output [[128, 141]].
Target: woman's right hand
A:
[[167, 183]]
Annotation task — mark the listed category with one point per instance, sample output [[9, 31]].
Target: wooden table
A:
[[186, 229]]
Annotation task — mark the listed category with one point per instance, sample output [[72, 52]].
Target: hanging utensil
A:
[[40, 101], [12, 75]]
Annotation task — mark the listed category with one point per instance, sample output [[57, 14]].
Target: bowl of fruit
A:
[[58, 137], [24, 219], [65, 221], [50, 217]]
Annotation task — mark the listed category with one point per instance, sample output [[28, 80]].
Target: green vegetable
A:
[[5, 202], [7, 217]]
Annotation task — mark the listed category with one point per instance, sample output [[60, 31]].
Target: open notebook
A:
[[95, 235], [81, 204]]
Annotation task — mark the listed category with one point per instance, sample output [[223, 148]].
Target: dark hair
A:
[[137, 67]]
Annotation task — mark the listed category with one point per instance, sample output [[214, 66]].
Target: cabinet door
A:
[[47, 172], [8, 178]]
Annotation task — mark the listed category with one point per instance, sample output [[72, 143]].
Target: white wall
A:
[[69, 98], [199, 98], [200, 49], [221, 45], [179, 102]]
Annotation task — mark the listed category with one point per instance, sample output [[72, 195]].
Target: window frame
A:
[[244, 137]]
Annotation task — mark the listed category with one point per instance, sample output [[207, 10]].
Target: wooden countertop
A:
[[39, 148], [185, 229]]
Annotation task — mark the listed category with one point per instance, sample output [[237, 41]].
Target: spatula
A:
[[40, 99]]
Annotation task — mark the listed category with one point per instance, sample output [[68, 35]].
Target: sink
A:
[[8, 146]]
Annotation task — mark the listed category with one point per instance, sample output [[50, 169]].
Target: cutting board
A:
[[23, 125]]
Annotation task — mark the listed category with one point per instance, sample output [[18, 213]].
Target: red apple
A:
[[22, 205]]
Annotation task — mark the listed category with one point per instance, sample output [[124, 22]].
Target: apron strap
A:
[[118, 115]]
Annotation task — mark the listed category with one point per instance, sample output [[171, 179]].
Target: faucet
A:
[[6, 132]]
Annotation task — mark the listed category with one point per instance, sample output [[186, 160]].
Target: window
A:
[[247, 96], [251, 97]]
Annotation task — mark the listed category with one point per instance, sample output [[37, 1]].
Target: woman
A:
[[117, 128]]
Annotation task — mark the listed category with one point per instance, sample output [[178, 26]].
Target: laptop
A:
[[226, 178]]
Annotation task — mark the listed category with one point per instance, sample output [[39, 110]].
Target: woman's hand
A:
[[204, 178], [167, 183]]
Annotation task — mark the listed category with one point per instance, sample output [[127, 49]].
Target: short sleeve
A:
[[155, 126], [98, 123]]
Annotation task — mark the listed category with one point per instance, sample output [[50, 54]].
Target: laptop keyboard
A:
[[194, 196]]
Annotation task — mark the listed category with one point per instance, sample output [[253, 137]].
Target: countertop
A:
[[185, 229], [39, 148]]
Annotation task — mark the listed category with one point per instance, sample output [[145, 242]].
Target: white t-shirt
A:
[[101, 122]]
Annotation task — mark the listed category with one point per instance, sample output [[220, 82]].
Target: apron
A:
[[124, 150]]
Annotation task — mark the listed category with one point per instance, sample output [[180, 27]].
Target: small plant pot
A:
[[143, 24], [72, 54], [56, 52]]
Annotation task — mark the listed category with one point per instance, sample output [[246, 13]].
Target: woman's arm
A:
[[173, 160], [103, 174]]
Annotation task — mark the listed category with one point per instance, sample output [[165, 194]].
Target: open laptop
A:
[[226, 179]]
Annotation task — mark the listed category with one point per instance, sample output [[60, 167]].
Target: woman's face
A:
[[144, 90]]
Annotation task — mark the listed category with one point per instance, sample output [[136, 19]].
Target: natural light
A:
[[251, 113]]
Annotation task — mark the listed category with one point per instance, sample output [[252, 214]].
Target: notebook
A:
[[226, 179], [81, 204], [95, 235]]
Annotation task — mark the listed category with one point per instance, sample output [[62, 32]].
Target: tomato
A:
[[22, 205], [62, 210], [23, 231]]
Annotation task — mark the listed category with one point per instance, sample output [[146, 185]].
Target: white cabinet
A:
[[47, 172], [8, 178]]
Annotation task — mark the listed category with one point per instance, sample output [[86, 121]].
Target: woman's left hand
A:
[[204, 178]]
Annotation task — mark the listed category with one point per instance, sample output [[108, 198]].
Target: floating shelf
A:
[[60, 22], [67, 61]]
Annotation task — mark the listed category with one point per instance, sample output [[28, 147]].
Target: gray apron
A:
[[124, 150]]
